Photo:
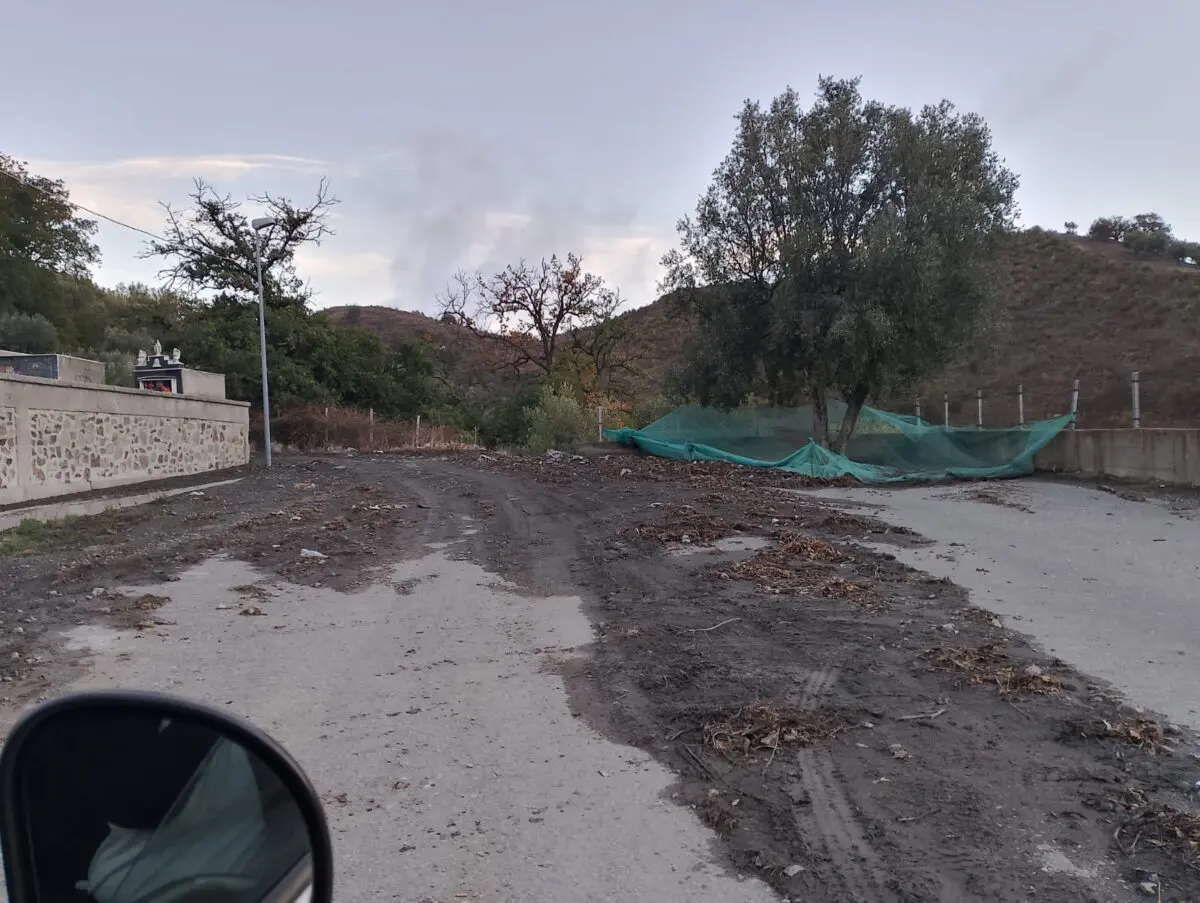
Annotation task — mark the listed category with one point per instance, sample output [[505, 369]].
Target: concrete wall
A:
[[1169, 456], [202, 384], [53, 366], [80, 370], [58, 438]]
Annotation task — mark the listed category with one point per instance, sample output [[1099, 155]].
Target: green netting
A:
[[885, 448]]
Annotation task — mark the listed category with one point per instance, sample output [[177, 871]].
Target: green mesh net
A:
[[885, 448]]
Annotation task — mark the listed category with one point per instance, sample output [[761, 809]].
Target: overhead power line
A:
[[88, 210]]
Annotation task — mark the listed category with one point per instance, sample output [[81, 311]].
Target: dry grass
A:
[[1080, 308], [989, 665], [318, 428], [768, 727]]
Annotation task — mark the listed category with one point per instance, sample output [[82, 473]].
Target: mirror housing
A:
[[225, 742]]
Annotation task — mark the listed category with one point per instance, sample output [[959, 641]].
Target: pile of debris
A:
[[1133, 730], [1149, 823], [765, 726], [802, 565], [685, 524], [987, 664]]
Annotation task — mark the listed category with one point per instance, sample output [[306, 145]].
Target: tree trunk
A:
[[820, 416], [854, 405]]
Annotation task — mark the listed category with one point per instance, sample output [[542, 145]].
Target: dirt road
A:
[[763, 707]]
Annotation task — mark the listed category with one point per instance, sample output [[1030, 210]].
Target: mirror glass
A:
[[124, 805]]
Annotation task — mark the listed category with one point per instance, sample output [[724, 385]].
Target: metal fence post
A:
[[918, 408], [946, 408], [1020, 404], [1074, 401], [979, 408], [1135, 383]]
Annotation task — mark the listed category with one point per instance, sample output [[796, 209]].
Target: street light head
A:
[[262, 222]]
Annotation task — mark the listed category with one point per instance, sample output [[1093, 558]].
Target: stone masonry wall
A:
[[60, 438], [74, 447], [8, 447]]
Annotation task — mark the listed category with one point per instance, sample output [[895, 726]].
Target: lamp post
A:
[[257, 225]]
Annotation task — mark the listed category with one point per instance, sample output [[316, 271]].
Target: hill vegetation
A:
[[1069, 306]]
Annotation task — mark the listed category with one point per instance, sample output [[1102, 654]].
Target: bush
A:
[[647, 411], [506, 423], [28, 334], [557, 421]]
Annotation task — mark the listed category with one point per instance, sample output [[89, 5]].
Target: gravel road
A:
[[620, 678]]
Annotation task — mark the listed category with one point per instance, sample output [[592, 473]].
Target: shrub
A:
[[648, 410], [557, 421]]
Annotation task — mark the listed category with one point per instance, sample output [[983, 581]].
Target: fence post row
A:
[[1135, 386]]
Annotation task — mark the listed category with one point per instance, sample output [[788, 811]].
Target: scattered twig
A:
[[911, 818], [714, 627], [919, 715], [1018, 708], [704, 769]]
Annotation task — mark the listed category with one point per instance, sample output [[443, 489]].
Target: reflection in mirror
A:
[[123, 805]]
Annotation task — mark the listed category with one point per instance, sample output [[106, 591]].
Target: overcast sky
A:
[[471, 133]]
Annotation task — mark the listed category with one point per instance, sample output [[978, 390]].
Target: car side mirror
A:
[[123, 797]]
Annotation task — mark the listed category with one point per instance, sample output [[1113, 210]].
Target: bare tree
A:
[[210, 247], [539, 314]]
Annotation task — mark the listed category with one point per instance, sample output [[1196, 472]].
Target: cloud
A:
[[411, 215], [476, 205]]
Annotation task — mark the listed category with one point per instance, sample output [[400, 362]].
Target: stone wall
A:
[[59, 438]]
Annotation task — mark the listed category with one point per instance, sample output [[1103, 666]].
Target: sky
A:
[[471, 134]]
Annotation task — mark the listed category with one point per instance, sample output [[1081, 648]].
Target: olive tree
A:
[[841, 251]]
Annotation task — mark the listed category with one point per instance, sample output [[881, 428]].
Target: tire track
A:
[[828, 821]]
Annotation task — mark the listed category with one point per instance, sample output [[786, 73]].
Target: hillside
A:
[[1070, 307], [1073, 307]]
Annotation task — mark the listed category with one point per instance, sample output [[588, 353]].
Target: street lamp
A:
[[257, 225]]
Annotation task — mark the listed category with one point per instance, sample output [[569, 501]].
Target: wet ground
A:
[[760, 663]]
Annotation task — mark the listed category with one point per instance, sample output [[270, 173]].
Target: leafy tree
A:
[[840, 250], [538, 315], [1143, 242], [1151, 224], [27, 333], [39, 225], [1071, 227], [1110, 228], [46, 249]]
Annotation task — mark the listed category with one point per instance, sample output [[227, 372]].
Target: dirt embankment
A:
[[851, 729]]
